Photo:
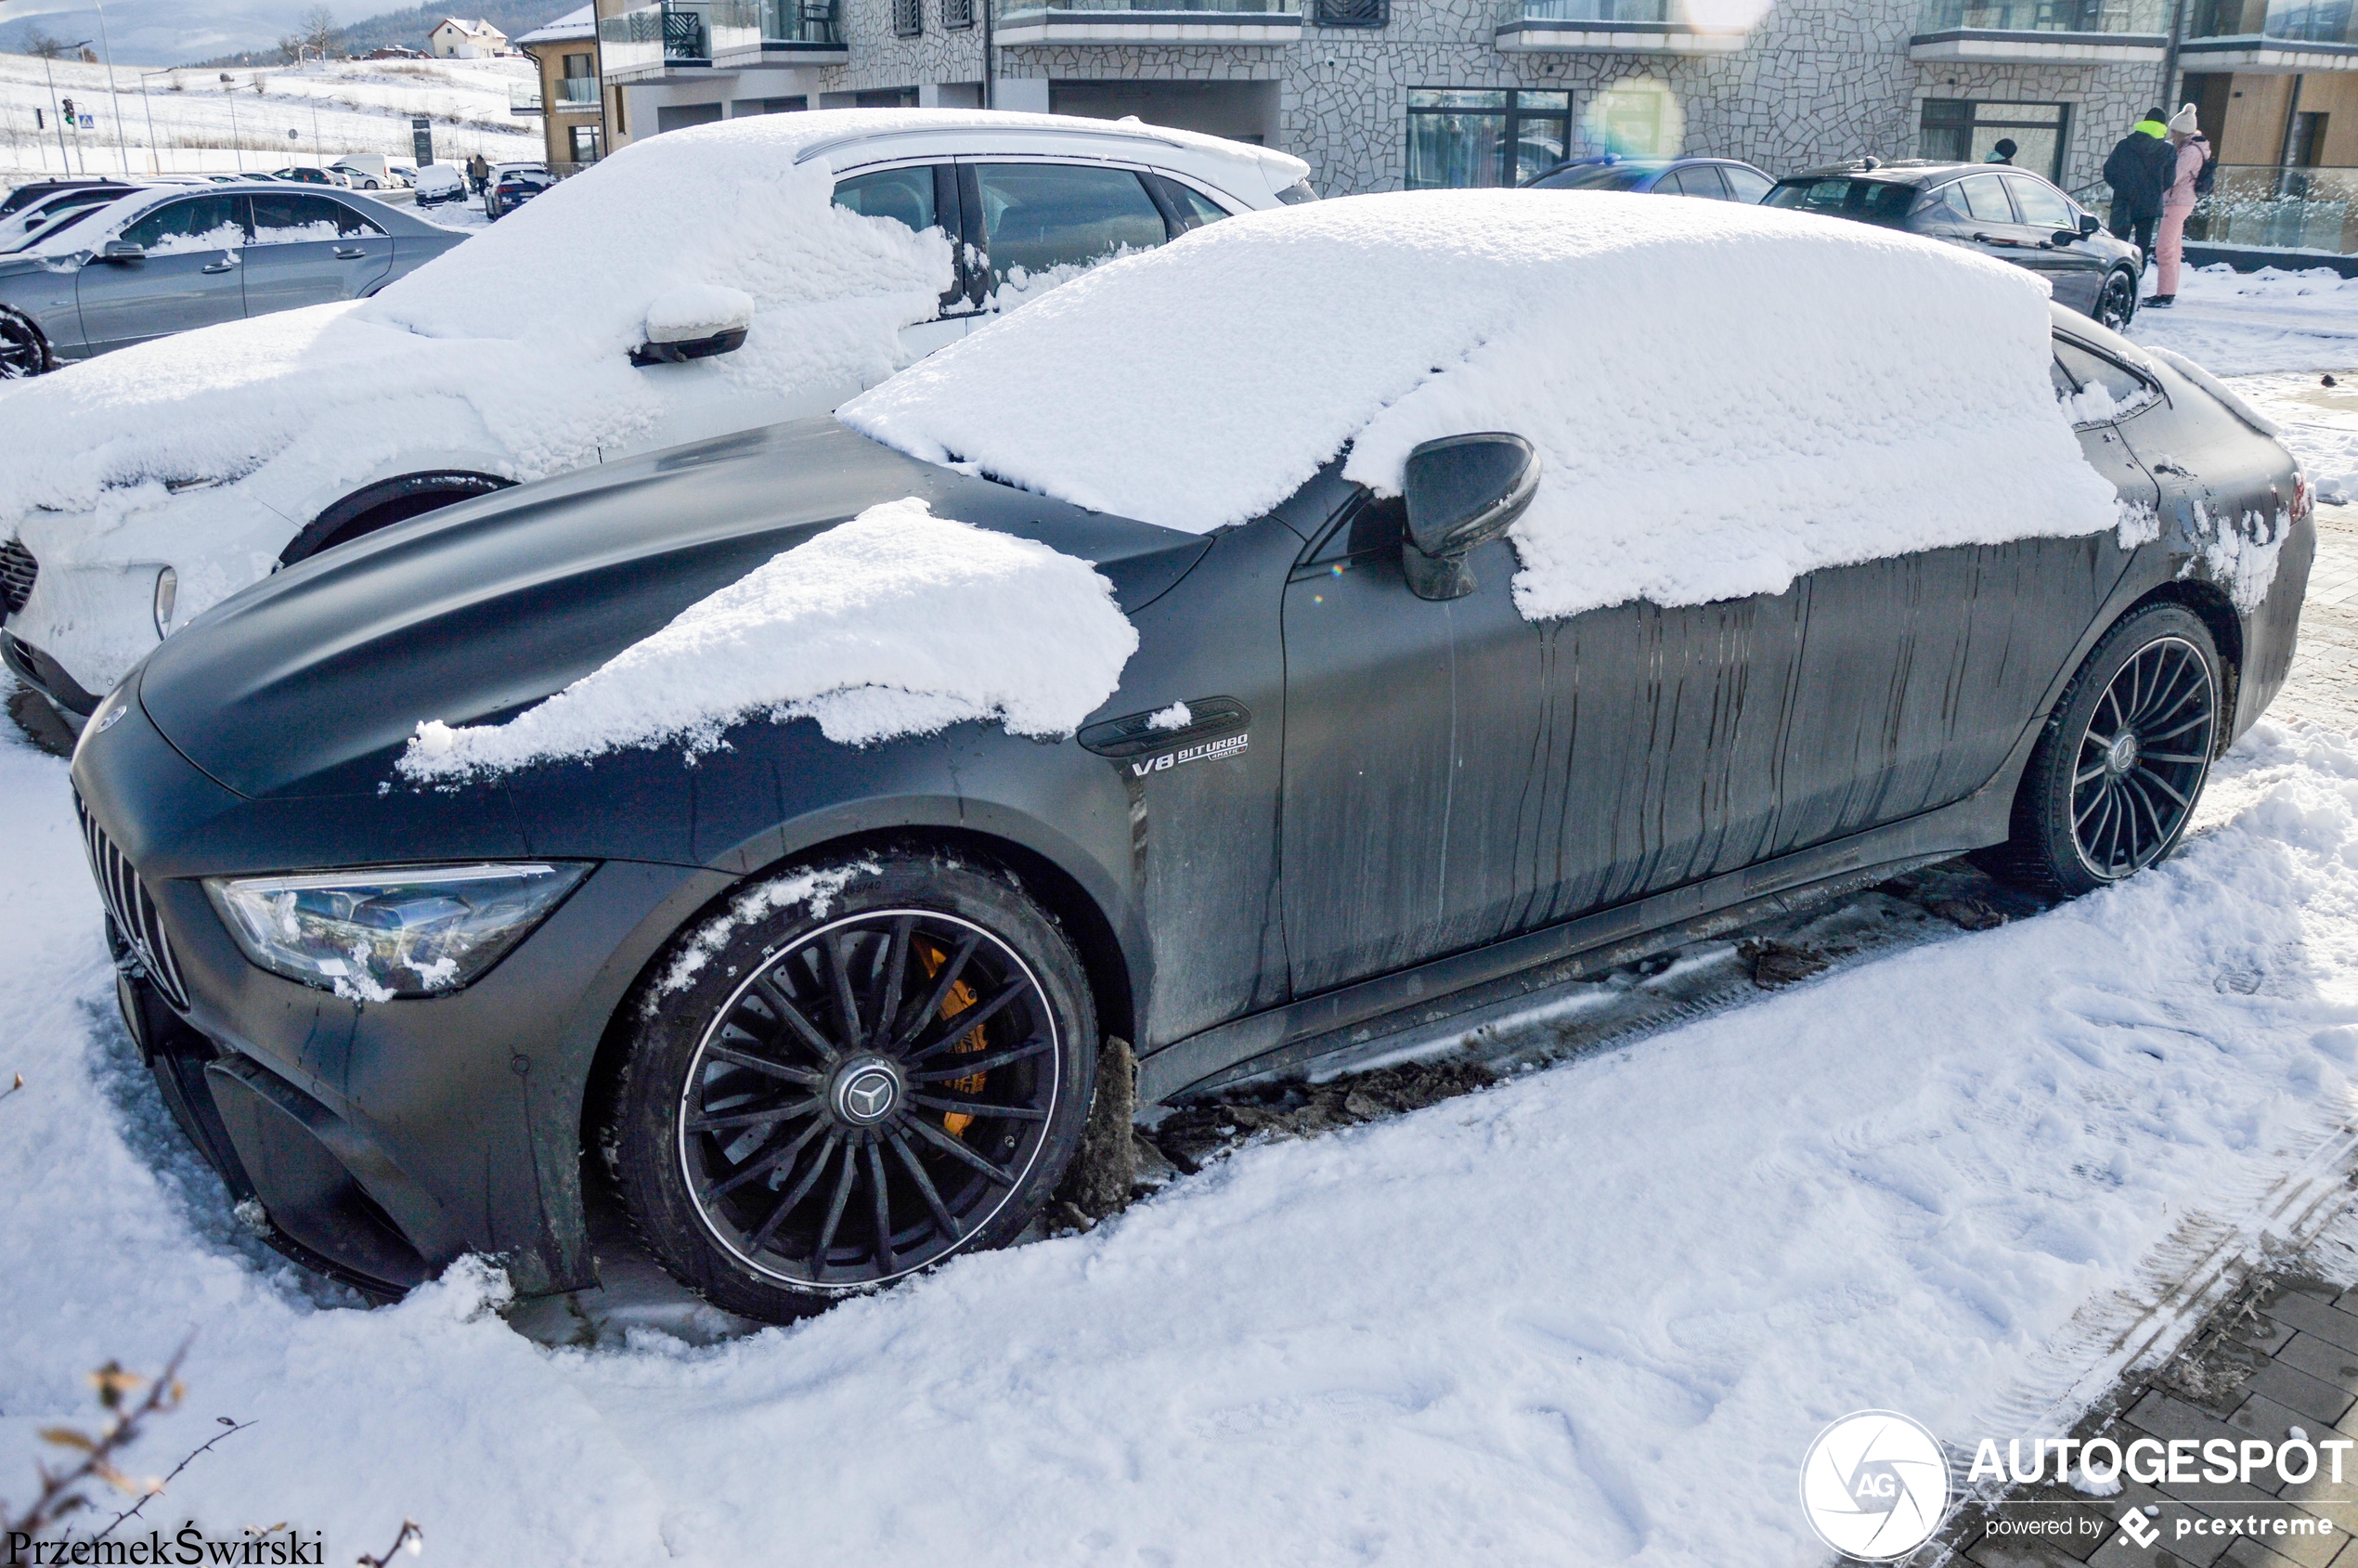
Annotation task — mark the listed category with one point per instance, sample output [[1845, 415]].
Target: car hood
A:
[[310, 683]]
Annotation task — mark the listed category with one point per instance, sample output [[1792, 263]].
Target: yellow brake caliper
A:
[[961, 997]]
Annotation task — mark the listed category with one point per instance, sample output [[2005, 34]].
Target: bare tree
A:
[[291, 46], [43, 45], [319, 25]]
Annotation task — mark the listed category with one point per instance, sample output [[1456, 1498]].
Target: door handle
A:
[[349, 253], [224, 265]]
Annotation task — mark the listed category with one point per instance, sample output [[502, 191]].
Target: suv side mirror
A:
[[2088, 225], [122, 251], [1462, 491], [696, 322]]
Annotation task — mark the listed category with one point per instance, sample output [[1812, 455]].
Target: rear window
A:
[[1597, 177], [1839, 196]]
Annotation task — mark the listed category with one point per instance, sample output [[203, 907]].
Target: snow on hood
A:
[[1723, 398], [895, 623], [518, 340]]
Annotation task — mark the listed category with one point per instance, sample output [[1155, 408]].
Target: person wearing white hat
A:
[[2170, 244]]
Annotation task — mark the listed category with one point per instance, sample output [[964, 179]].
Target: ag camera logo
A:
[[1875, 1485]]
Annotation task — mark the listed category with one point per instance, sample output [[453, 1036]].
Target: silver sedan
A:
[[163, 260]]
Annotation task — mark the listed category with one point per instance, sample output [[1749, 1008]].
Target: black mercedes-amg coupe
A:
[[826, 1014]]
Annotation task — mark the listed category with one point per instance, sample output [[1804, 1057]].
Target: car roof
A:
[[1908, 171], [846, 139], [138, 201]]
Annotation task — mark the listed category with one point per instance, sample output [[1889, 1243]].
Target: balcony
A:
[[692, 35], [576, 92], [523, 99], [2278, 36], [780, 32], [2261, 205], [2042, 31], [1646, 27], [1149, 21]]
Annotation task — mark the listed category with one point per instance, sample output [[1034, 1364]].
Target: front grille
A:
[[134, 912], [18, 568]]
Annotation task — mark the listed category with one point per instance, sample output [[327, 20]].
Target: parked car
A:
[[1715, 179], [403, 174], [1429, 688], [30, 222], [25, 195], [2007, 213], [300, 175], [165, 259], [439, 183], [512, 185], [544, 351], [362, 170]]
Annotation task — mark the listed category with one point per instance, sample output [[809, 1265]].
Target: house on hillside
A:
[[571, 101], [455, 38]]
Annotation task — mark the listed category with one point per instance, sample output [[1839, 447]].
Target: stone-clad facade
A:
[[1813, 82]]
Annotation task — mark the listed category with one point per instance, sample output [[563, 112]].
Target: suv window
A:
[[1194, 207], [201, 223], [905, 196], [2101, 389], [292, 218], [1986, 198], [2041, 204], [1040, 219], [1877, 202]]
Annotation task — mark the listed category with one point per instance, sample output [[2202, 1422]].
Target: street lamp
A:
[[229, 95], [113, 98], [155, 148]]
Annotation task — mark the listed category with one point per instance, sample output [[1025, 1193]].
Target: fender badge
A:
[[112, 715]]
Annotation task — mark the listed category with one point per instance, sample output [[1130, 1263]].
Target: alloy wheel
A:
[[869, 1098], [2141, 763], [22, 353], [2118, 302]]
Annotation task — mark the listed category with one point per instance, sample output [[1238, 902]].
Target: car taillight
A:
[[2305, 496]]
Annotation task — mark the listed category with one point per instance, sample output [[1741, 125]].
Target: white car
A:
[[693, 284]]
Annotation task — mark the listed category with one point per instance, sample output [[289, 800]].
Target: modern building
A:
[[570, 99], [462, 39], [1379, 95]]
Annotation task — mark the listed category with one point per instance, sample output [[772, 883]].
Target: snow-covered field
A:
[[188, 121], [1592, 1316]]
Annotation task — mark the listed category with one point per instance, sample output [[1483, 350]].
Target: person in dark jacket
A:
[[2003, 152], [479, 170], [2141, 170]]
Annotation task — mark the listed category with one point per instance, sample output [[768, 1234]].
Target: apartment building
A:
[[570, 98]]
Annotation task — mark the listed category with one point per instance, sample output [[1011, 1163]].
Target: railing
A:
[[2292, 21], [523, 98], [1601, 11], [684, 36], [956, 14], [2147, 16], [1020, 10], [1352, 13], [2279, 209], [908, 19], [799, 22], [577, 92], [649, 36]]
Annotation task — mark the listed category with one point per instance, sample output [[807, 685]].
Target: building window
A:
[[585, 144], [2308, 139], [1957, 131], [956, 14], [580, 65], [908, 17], [1352, 13], [1484, 136]]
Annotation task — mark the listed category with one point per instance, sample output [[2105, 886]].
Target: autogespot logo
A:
[[1875, 1485]]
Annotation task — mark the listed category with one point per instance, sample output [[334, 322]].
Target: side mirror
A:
[[1462, 491], [2088, 225], [696, 322], [122, 251]]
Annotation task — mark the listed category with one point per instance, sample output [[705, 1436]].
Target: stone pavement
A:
[[2324, 684]]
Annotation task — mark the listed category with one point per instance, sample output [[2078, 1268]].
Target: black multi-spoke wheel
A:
[[844, 1094], [2122, 760], [2117, 306], [23, 351]]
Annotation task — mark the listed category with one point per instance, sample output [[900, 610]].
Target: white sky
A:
[[160, 32]]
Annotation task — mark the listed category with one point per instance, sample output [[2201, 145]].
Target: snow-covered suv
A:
[[693, 284]]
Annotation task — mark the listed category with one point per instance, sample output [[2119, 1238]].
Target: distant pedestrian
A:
[[2193, 152], [478, 171], [2003, 152], [2140, 170]]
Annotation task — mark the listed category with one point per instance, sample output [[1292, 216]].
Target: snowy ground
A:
[[187, 121], [1592, 1316]]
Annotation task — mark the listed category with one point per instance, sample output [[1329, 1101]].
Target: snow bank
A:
[[1723, 397], [2237, 323], [895, 623]]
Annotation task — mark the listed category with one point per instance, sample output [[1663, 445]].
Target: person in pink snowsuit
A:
[[2169, 244]]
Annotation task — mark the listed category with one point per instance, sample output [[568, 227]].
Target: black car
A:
[[1714, 179], [511, 186], [826, 1014], [2004, 212], [27, 194]]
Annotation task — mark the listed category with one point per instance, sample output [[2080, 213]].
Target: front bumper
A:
[[374, 1141]]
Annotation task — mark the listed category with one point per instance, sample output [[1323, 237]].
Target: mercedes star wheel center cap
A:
[[866, 1093], [2124, 752]]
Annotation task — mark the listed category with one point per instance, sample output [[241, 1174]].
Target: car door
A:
[[1923, 670], [187, 276], [309, 248], [1039, 224], [2074, 270], [921, 196]]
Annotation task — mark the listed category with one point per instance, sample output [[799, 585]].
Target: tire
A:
[[24, 351], [751, 1131], [2116, 303], [2121, 764]]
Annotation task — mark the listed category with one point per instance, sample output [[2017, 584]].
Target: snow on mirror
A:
[[695, 321], [895, 623], [1721, 397]]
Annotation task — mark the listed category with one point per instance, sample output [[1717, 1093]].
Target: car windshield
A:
[[1883, 201], [1598, 176]]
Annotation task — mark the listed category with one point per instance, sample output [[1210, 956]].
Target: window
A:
[[1044, 217], [908, 17], [1484, 136], [1194, 207], [1696, 179], [2308, 139], [2041, 204], [679, 116], [1599, 177], [1352, 13], [205, 223], [902, 195], [1985, 197], [2101, 388], [580, 66], [1878, 201], [1749, 185], [585, 144], [1958, 131], [956, 14], [292, 219]]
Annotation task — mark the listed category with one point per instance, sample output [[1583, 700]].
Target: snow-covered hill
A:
[[189, 119]]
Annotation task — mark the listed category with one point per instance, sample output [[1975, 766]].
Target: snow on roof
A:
[[1723, 398], [895, 623], [582, 23], [478, 28]]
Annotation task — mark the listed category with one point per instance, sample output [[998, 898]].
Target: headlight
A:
[[372, 936]]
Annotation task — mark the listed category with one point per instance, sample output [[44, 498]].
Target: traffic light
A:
[[66, 107]]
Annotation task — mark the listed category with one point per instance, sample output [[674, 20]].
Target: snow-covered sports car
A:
[[695, 283], [1340, 617]]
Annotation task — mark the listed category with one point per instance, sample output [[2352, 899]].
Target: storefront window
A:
[[1957, 131], [1460, 136]]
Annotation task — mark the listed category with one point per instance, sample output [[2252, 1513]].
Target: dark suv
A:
[[2004, 212]]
